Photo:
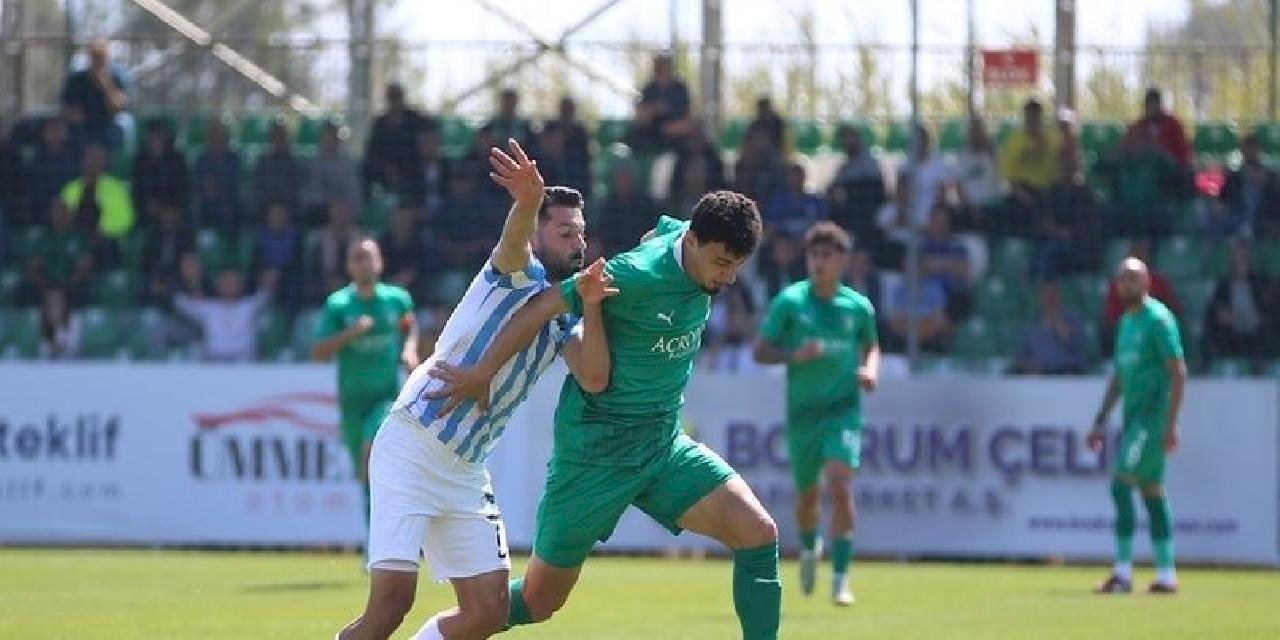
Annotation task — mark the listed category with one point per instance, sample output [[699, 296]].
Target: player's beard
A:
[[559, 270]]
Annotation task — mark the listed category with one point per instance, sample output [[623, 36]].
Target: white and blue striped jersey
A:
[[489, 303]]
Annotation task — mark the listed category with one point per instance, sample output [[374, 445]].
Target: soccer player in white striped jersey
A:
[[430, 491]]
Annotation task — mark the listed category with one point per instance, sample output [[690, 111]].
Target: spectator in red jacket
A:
[[1112, 308], [1160, 128]]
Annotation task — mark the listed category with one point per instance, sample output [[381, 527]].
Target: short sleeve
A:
[[867, 336], [777, 322], [406, 301], [531, 275], [667, 224], [330, 321], [1168, 341]]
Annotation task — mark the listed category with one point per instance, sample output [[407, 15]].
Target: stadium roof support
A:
[[545, 46], [228, 56]]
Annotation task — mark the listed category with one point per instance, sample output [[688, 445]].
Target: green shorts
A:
[[1141, 455], [583, 502], [361, 417], [813, 441]]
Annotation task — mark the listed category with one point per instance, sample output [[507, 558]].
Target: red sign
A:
[[1009, 67]]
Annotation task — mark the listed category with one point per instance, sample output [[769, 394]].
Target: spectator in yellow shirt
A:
[[1029, 161]]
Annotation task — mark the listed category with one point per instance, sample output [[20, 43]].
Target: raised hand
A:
[[516, 173], [593, 284]]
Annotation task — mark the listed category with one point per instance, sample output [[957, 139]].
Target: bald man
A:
[[1150, 374]]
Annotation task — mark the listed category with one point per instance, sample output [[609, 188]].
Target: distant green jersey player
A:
[[369, 326], [1150, 373], [624, 446], [825, 332]]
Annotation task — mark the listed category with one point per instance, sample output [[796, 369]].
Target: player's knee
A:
[[392, 603], [486, 616], [757, 530]]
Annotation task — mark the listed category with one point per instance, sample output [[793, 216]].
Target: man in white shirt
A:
[[229, 322]]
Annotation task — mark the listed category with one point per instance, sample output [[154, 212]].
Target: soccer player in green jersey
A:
[[623, 446], [825, 333], [369, 326], [1150, 373]]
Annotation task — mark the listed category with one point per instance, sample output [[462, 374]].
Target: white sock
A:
[[1167, 576], [1122, 570], [839, 581], [429, 631]]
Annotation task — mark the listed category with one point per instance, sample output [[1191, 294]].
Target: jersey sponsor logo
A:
[[667, 317], [678, 346]]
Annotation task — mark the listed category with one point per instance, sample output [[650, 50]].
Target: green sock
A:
[[1122, 495], [1161, 531], [841, 553], [518, 610], [809, 539], [757, 591]]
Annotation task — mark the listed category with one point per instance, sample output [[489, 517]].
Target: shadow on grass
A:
[[288, 587]]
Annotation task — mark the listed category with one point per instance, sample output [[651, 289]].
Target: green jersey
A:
[[370, 364], [844, 326], [654, 325], [1146, 340]]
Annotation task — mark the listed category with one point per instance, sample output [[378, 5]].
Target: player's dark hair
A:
[[828, 234], [729, 218], [559, 197]]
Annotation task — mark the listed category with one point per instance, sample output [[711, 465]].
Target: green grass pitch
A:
[[125, 595]]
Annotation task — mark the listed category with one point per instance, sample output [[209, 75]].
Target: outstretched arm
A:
[[520, 177]]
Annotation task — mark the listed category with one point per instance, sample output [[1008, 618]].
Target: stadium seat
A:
[[867, 132], [1268, 134], [806, 135], [211, 250], [1004, 130], [610, 131], [974, 341], [9, 280], [1215, 140], [1085, 294], [731, 134], [1229, 368], [936, 366], [1194, 294], [1097, 139], [1011, 259], [455, 136], [24, 244], [116, 289], [952, 135], [131, 249], [102, 334], [273, 335], [20, 333], [1266, 258], [309, 130], [897, 136], [1003, 305], [192, 135], [144, 339], [1178, 259], [304, 332], [253, 130]]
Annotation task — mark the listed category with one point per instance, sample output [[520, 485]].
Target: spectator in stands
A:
[[475, 165], [945, 260], [1250, 197], [793, 209], [1066, 231], [924, 180], [405, 252], [216, 197], [1112, 308], [61, 259], [856, 194], [577, 142], [863, 277], [927, 310], [278, 175], [166, 250], [780, 262], [390, 155], [338, 232], [467, 231], [731, 330], [277, 257], [332, 175], [559, 166], [694, 182], [13, 185], [978, 182], [759, 172], [508, 124], [56, 162], [429, 183], [769, 123], [1069, 166], [697, 148], [59, 327], [159, 175], [1030, 160], [662, 117], [229, 322], [100, 203], [1054, 344], [628, 212], [1241, 316], [94, 98], [1160, 130], [1143, 181]]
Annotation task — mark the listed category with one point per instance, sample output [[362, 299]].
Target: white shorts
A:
[[424, 500]]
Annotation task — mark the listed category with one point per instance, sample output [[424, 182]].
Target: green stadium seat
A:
[[1012, 259], [304, 332], [193, 131], [252, 130], [1194, 296], [1215, 139], [377, 211], [1100, 138], [1230, 368], [897, 136], [211, 250], [273, 335], [731, 134], [455, 136], [1179, 258], [103, 334], [309, 130], [1268, 134], [23, 245], [865, 129], [144, 339], [936, 366], [131, 249], [610, 131], [19, 333], [1085, 294], [974, 341], [1004, 130], [806, 135], [952, 135], [116, 289], [1266, 258], [9, 281], [1003, 305]]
